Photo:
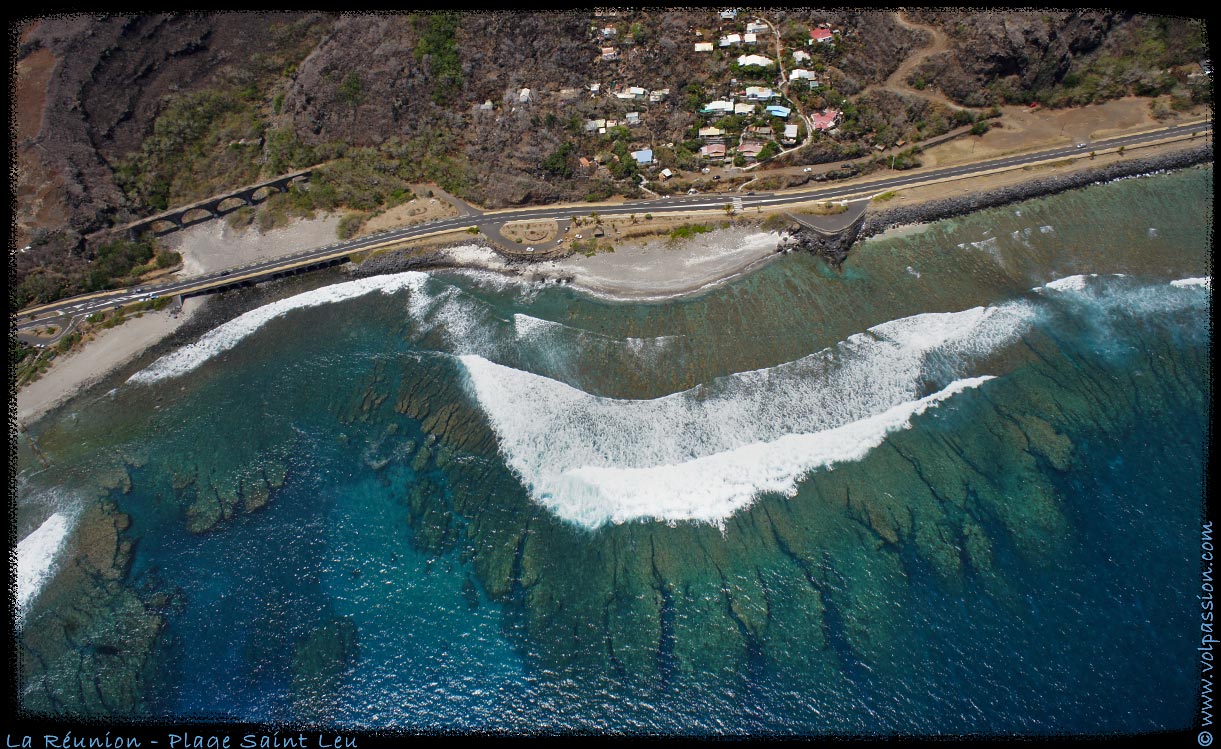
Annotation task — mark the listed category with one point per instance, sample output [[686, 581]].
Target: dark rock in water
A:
[[85, 644], [320, 661], [470, 593]]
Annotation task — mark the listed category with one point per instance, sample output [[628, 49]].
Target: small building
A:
[[730, 40], [665, 174], [801, 74], [790, 134], [801, 55], [749, 150], [703, 46], [713, 151], [644, 156], [524, 96], [729, 15], [711, 132], [610, 53], [486, 106], [760, 60], [821, 36], [718, 107], [824, 120], [609, 32], [595, 88], [637, 92], [775, 110], [750, 38], [659, 95], [759, 93], [632, 118], [757, 26], [743, 107], [585, 163]]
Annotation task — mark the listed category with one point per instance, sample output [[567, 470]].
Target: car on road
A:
[[716, 176], [808, 169], [578, 236], [529, 249], [1080, 145], [847, 166]]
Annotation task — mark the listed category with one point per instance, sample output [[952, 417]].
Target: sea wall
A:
[[876, 223]]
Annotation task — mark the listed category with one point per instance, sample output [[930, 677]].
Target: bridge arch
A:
[[263, 193], [162, 225], [231, 203], [195, 215]]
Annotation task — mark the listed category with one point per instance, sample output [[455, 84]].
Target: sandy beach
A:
[[112, 348]]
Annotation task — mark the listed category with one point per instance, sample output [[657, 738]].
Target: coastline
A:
[[638, 270], [903, 218], [83, 368]]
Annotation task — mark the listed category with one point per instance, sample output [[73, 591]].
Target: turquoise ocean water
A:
[[952, 487]]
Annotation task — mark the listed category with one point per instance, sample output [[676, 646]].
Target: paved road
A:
[[73, 309]]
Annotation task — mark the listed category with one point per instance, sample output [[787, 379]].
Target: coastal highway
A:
[[64, 313]]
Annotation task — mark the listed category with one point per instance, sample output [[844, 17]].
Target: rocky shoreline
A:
[[935, 210], [836, 247]]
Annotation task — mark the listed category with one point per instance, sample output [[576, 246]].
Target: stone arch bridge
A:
[[209, 208]]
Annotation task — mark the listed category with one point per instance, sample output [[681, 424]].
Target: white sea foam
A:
[[36, 555], [699, 454], [1068, 283], [227, 336], [1186, 282]]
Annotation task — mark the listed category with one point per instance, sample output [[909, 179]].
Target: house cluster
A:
[[626, 94], [749, 38]]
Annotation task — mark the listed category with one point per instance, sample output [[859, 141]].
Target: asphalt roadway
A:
[[76, 308]]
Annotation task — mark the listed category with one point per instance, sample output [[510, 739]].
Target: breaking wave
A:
[[702, 454], [227, 336], [36, 554]]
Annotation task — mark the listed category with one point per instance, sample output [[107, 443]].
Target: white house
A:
[[703, 46], [729, 15], [790, 134], [659, 95], [759, 60], [711, 132], [757, 27], [523, 96], [750, 38], [797, 74], [730, 40], [801, 55], [759, 93], [743, 107], [718, 107]]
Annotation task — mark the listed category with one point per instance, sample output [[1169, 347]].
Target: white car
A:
[[529, 249], [808, 169], [578, 236]]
